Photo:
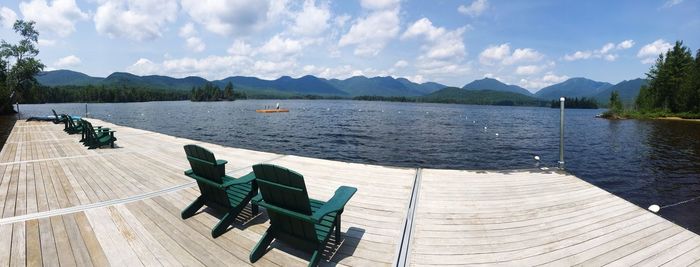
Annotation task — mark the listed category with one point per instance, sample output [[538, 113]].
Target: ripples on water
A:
[[645, 162]]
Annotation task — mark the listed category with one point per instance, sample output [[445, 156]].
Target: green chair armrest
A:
[[221, 162], [191, 174], [243, 180], [286, 212], [257, 199], [337, 202]]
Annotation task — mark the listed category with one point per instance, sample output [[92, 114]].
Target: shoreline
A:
[[676, 119]]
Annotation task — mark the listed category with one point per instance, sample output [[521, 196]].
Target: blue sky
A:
[[528, 43]]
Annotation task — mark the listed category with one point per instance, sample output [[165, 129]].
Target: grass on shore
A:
[[658, 114]]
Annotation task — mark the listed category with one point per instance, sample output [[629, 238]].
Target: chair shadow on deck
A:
[[333, 253], [243, 220]]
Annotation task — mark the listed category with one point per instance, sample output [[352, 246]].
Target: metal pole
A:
[[19, 117], [86, 112], [561, 133]]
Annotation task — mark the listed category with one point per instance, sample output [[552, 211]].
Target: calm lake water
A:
[[646, 162]]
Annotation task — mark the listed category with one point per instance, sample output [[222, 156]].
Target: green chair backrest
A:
[[285, 189], [203, 164], [88, 130]]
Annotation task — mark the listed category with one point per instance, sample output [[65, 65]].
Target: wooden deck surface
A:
[[61, 204]]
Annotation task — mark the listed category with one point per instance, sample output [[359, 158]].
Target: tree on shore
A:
[[18, 65], [615, 102], [674, 85], [228, 91]]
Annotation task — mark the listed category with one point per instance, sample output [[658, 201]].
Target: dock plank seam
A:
[[403, 249], [74, 209]]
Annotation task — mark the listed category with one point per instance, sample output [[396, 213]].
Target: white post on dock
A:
[[561, 133]]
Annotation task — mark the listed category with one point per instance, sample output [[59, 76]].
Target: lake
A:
[[644, 161]]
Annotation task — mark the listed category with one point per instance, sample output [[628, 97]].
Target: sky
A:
[[533, 43]]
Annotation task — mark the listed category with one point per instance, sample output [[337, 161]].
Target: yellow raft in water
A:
[[271, 110]]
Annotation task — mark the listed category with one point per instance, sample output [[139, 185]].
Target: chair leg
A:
[[221, 227], [192, 208], [315, 258], [337, 229], [254, 209], [261, 247]]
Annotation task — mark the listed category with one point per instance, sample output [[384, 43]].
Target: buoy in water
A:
[[654, 208], [537, 158], [496, 134]]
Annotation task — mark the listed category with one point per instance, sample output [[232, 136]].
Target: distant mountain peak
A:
[[573, 87], [487, 83]]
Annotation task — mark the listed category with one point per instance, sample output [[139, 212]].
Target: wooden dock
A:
[[61, 204]]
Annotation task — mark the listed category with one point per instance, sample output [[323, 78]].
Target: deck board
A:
[[525, 218], [121, 207]]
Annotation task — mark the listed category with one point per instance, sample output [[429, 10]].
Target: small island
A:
[[211, 92]]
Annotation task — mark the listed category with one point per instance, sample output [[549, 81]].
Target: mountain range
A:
[[496, 85], [353, 86]]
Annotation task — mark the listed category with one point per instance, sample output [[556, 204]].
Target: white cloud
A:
[[528, 70], [423, 27], [605, 52], [67, 62], [136, 20], [312, 20], [541, 82], [192, 41], [7, 17], [626, 44], [188, 30], [523, 55], [401, 64], [341, 20], [650, 52], [501, 55], [670, 3], [578, 55], [443, 44], [240, 48], [494, 54], [144, 66], [370, 34], [195, 44], [379, 4], [278, 47], [606, 48], [475, 8], [232, 16], [443, 52], [58, 17]]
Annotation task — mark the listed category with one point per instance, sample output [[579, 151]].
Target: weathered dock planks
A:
[[61, 204]]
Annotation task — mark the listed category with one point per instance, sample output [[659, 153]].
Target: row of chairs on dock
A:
[[295, 219], [91, 137]]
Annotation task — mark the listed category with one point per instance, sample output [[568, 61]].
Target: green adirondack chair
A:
[[296, 219], [219, 191], [57, 119], [73, 126], [95, 138]]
